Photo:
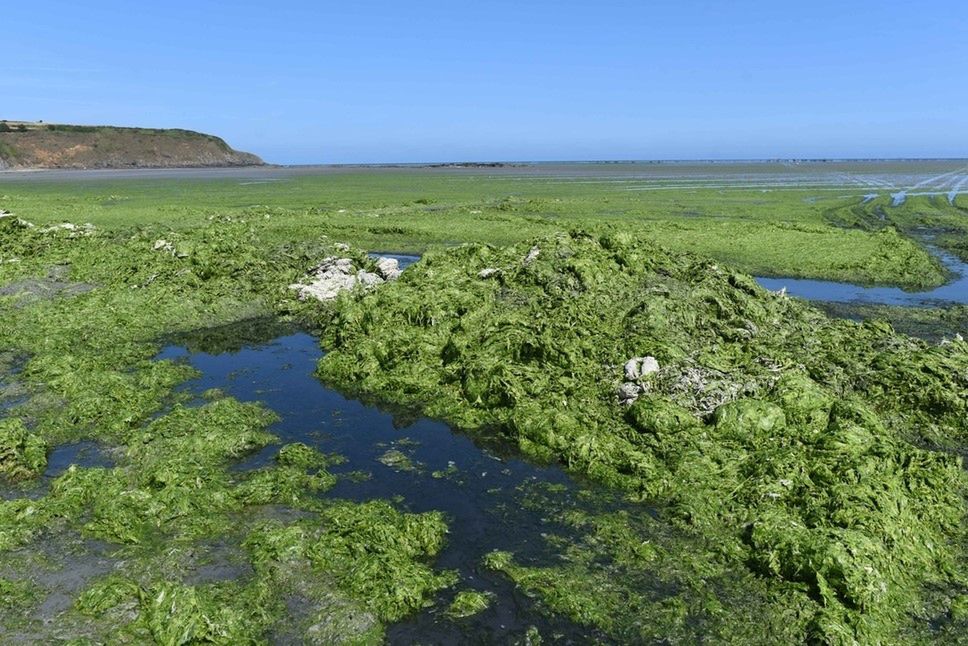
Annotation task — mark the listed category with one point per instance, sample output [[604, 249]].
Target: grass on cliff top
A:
[[786, 232], [816, 452]]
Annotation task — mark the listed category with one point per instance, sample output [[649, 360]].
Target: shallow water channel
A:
[[478, 489], [954, 291]]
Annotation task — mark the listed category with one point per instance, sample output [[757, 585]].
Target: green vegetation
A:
[[786, 438], [936, 324], [22, 454], [54, 127], [468, 603], [7, 152], [355, 567], [628, 574], [166, 132], [90, 374], [920, 215], [782, 233], [805, 471], [396, 459]]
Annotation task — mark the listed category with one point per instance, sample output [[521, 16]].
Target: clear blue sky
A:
[[375, 81]]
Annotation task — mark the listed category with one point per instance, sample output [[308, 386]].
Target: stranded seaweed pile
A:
[[819, 454]]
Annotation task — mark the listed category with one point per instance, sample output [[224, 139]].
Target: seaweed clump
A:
[[22, 454], [815, 452], [468, 603]]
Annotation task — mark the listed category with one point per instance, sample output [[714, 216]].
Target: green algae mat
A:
[[823, 455], [784, 475], [84, 370], [763, 219]]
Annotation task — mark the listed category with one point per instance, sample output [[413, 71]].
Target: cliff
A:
[[25, 145]]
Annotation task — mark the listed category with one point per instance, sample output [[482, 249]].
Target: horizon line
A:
[[682, 160]]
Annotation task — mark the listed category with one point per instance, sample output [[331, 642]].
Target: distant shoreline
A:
[[483, 165]]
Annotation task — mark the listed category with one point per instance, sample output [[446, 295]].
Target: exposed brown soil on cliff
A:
[[37, 145]]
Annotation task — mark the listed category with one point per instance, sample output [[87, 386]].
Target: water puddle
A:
[[12, 392], [957, 190], [86, 454], [423, 464], [404, 260]]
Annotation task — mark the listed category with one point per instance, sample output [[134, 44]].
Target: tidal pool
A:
[[404, 260], [421, 464]]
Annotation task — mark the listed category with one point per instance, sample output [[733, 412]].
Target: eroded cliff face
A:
[[33, 145]]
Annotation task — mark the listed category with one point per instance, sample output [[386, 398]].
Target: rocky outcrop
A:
[[335, 275]]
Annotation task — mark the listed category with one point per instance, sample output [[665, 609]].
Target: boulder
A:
[[388, 268], [628, 393], [368, 279], [334, 275]]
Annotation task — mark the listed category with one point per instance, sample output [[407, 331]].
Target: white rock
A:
[[344, 265], [334, 275], [629, 392], [163, 245], [73, 230], [638, 367], [368, 279], [487, 272], [19, 221], [632, 369], [333, 264], [532, 255], [325, 288], [389, 268]]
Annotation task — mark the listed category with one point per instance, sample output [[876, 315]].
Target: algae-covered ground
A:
[[820, 453], [766, 219], [168, 498], [782, 476]]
